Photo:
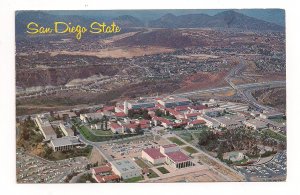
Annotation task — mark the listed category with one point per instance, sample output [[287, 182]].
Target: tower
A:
[[126, 107]]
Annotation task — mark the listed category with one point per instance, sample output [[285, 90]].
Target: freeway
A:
[[248, 86], [269, 84]]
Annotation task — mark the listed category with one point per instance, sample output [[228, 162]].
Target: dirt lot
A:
[[120, 52]]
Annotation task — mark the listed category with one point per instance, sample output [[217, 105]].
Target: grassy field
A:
[[186, 136], [97, 138], [275, 135], [163, 170], [190, 150], [152, 174], [176, 141], [141, 163], [134, 179]]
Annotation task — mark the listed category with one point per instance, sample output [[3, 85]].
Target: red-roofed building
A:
[[104, 174], [153, 155], [108, 108], [163, 121], [116, 128], [181, 108], [192, 116], [120, 114], [198, 107], [178, 159], [196, 123], [175, 113], [169, 154]]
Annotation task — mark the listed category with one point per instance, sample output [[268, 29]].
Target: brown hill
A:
[[162, 37]]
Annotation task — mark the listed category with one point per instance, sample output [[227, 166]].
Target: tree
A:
[[158, 113], [138, 129]]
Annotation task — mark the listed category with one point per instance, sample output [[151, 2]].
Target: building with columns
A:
[[169, 154]]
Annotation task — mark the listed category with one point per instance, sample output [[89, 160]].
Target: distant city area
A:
[[180, 98]]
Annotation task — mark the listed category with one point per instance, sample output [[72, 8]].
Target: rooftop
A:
[[154, 153], [64, 141], [102, 169], [125, 165], [178, 156]]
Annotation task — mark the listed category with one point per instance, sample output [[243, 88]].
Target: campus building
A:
[[104, 174], [64, 143], [169, 154], [171, 101], [66, 130], [45, 127], [126, 168]]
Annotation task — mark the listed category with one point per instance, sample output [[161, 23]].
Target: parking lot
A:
[[272, 170], [31, 169], [132, 148]]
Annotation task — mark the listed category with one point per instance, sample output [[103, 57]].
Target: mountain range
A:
[[228, 19]]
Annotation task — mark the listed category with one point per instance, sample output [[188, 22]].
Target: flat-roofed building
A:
[[91, 116], [141, 103], [45, 127], [126, 168], [256, 124], [171, 101], [64, 143], [209, 122], [269, 114], [213, 112], [66, 129], [229, 122]]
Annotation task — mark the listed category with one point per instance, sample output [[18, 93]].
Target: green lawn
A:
[[134, 179], [141, 163], [102, 132], [99, 138], [186, 136], [152, 174], [275, 135], [190, 150], [163, 170], [176, 141]]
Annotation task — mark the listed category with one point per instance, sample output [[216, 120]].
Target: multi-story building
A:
[[45, 127], [126, 168]]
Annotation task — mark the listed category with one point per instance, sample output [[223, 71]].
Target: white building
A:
[[256, 124], [45, 127], [66, 130], [64, 143], [126, 168], [269, 114]]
